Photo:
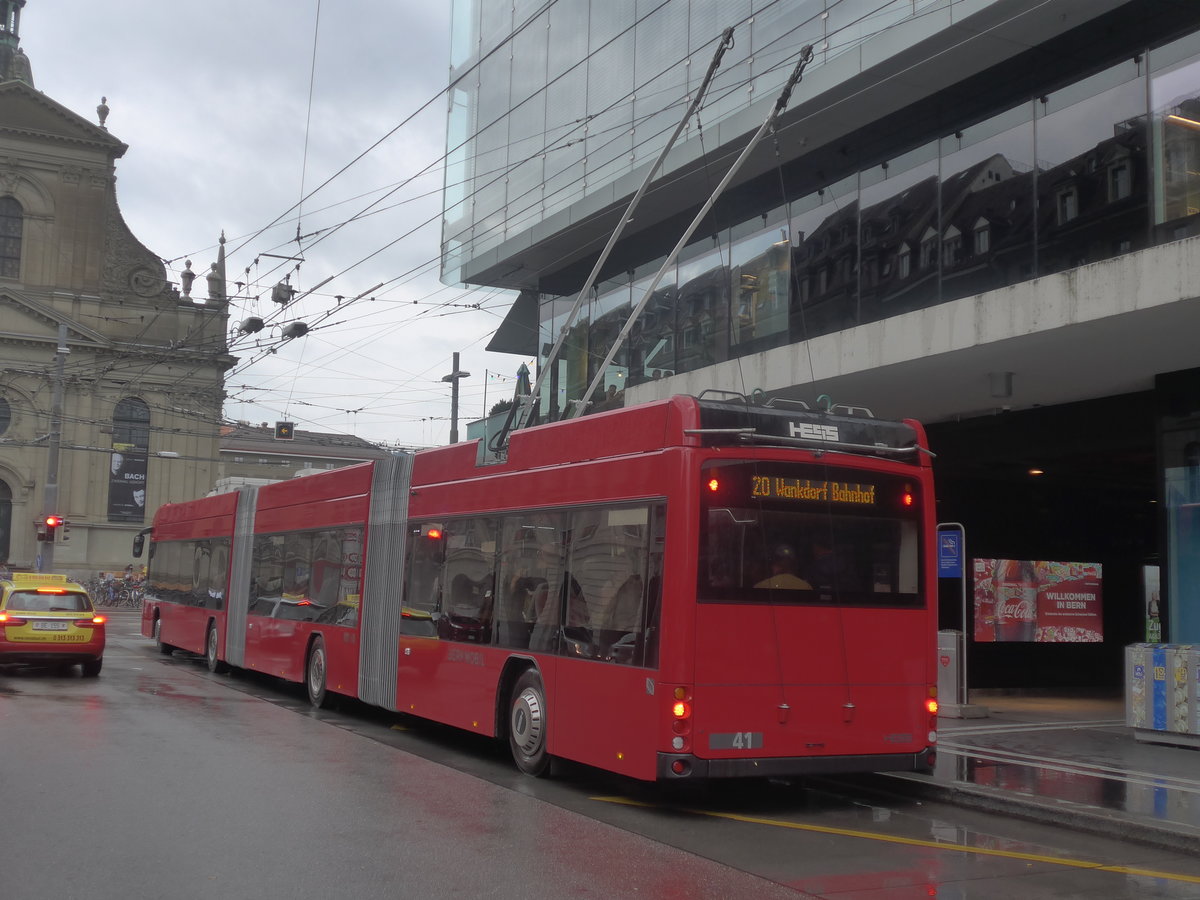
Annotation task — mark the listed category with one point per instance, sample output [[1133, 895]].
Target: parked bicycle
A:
[[116, 592]]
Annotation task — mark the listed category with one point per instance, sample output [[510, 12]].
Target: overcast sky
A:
[[212, 97]]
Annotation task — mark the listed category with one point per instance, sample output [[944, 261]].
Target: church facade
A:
[[111, 378]]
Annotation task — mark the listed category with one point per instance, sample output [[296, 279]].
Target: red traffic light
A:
[[53, 521]]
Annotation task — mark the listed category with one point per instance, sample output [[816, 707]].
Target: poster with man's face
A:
[[127, 484]]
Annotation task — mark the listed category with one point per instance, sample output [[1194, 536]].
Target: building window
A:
[[929, 243], [983, 237], [952, 245], [1118, 182], [905, 262], [11, 225], [1068, 206], [5, 415]]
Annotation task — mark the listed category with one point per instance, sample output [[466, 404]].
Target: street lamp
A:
[[453, 378]]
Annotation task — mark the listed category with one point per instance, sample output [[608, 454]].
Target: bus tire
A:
[[315, 674], [164, 649], [212, 657], [527, 725]]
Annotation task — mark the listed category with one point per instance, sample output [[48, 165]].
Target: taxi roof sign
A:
[[38, 578]]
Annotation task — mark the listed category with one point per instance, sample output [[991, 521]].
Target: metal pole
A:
[[50, 492], [962, 581], [453, 378]]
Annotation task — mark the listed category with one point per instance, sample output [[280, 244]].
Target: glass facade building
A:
[[902, 178]]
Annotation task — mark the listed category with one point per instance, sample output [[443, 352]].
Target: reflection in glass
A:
[[824, 230], [759, 284], [703, 308], [901, 235], [610, 311], [987, 204], [1175, 98], [1091, 151], [567, 380], [652, 338]]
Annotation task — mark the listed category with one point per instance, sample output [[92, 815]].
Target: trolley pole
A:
[[50, 491]]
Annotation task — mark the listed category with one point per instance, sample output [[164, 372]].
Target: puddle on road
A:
[[1165, 799]]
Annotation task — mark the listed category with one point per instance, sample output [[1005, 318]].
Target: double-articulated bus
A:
[[691, 588]]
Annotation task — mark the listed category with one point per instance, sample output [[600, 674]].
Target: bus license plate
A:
[[49, 626], [737, 740]]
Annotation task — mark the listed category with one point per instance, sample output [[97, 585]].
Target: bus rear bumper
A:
[[685, 767]]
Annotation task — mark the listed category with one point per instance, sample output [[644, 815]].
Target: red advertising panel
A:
[[1043, 600]]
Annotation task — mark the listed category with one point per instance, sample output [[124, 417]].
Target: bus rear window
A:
[[806, 534]]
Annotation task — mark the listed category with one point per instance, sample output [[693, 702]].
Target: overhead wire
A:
[[359, 215]]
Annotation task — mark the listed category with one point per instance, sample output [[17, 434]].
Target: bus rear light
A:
[[932, 706], [679, 744], [681, 709], [681, 726], [932, 736], [680, 767], [713, 485]]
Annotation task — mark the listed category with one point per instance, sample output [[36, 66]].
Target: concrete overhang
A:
[[1101, 330]]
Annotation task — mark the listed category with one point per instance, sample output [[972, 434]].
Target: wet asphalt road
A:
[[161, 780]]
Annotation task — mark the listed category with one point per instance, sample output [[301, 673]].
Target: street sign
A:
[[950, 553]]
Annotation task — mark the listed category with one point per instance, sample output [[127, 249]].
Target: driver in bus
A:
[[783, 571]]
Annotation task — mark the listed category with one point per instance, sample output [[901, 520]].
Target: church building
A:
[[111, 377]]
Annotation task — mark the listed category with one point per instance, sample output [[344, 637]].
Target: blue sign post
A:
[[951, 547], [950, 557]]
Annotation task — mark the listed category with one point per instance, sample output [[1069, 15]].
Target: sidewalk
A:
[[1069, 761]]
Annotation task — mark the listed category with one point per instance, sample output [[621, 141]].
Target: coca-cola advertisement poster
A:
[[1042, 600]]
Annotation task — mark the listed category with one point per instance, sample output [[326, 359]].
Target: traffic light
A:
[[66, 530], [48, 527], [285, 431]]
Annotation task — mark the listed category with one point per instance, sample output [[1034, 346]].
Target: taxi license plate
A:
[[49, 626]]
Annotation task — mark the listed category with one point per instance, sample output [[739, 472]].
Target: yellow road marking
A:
[[916, 842]]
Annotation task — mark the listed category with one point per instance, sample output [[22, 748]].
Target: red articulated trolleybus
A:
[[691, 588]]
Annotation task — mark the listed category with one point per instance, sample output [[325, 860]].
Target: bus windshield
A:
[[808, 534]]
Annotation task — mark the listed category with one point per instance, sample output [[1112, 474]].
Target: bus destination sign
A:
[[769, 487]]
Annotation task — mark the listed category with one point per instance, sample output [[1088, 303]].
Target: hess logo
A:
[[813, 432]]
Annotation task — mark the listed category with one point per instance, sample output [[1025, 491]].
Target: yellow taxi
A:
[[48, 620]]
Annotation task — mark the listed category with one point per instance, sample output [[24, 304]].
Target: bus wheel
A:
[[211, 652], [527, 725], [314, 679], [164, 649]]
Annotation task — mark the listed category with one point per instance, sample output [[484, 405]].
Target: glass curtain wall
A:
[[824, 230], [1175, 129], [1100, 167], [571, 96], [1091, 155], [987, 204]]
